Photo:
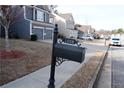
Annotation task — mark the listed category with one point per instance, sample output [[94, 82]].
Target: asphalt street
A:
[[117, 66], [112, 74], [104, 80]]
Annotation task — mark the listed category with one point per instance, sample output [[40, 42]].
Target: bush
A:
[[16, 37], [33, 37], [61, 36]]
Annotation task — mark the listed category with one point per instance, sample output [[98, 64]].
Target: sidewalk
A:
[[40, 78]]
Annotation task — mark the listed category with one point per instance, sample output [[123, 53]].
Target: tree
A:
[[120, 30], [114, 31], [53, 9], [8, 15]]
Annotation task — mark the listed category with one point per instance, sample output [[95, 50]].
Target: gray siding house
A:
[[34, 20], [70, 25]]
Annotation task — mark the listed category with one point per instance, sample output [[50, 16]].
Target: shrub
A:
[[33, 37], [61, 36], [16, 37]]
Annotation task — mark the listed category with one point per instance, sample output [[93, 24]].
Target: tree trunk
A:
[[7, 45]]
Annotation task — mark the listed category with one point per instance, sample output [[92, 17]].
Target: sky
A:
[[107, 17]]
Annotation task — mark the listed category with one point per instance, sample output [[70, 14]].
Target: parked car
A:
[[96, 36], [69, 41], [87, 38], [115, 41]]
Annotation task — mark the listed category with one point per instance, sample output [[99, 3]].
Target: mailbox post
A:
[[64, 51], [53, 62]]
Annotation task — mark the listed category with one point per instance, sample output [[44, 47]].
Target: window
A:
[[46, 17], [51, 20], [39, 15], [116, 39]]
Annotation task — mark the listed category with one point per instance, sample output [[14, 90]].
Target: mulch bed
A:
[[83, 77], [11, 54]]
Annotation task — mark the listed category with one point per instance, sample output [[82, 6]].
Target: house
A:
[[84, 30], [65, 25], [70, 25], [61, 22], [40, 20], [103, 33], [87, 29], [34, 20]]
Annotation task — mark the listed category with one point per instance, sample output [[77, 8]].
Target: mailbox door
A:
[[70, 52]]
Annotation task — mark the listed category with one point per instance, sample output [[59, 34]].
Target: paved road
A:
[[117, 67]]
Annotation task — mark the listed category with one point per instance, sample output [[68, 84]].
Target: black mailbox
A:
[[70, 52]]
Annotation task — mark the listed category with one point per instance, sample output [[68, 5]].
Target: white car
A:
[[115, 41], [87, 38]]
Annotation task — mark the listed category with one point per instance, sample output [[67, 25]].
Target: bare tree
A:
[[53, 8], [8, 15]]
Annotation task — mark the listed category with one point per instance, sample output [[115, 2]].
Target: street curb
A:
[[97, 73]]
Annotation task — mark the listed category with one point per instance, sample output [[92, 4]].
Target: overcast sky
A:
[[100, 17]]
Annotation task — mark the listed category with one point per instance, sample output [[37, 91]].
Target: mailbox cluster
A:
[[64, 51]]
